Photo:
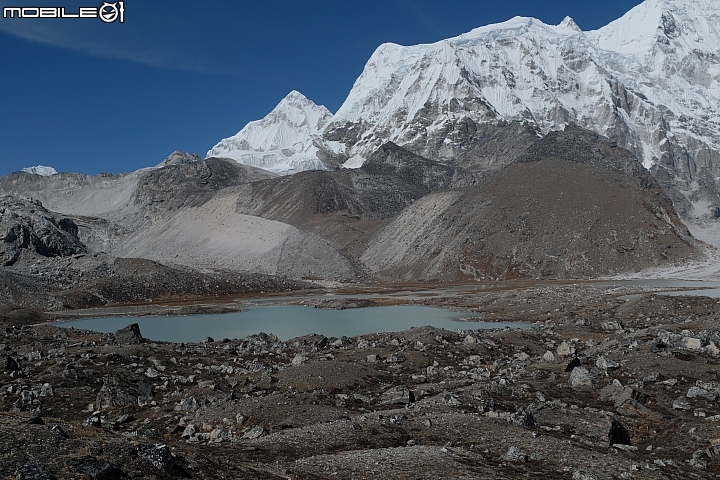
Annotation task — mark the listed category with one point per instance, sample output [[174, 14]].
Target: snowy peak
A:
[[689, 23], [41, 170], [569, 24], [283, 141]]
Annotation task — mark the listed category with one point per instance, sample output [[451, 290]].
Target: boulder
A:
[[129, 335]]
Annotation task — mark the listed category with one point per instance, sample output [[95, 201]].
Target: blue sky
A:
[[84, 96]]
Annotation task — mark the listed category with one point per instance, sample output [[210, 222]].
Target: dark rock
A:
[[521, 418], [619, 434], [34, 471], [129, 335], [160, 457], [30, 227], [658, 346], [123, 390], [96, 469], [575, 363], [11, 364]]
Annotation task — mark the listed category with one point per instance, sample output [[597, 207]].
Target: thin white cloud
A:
[[90, 39]]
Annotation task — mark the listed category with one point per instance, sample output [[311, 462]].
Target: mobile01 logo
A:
[[108, 12]]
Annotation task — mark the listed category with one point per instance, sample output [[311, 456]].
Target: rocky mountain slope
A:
[[573, 205]]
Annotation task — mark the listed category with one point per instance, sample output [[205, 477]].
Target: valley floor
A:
[[610, 381]]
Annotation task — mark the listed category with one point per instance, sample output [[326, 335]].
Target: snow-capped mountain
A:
[[41, 170], [285, 141], [649, 80]]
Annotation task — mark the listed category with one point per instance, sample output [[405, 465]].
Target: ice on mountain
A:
[[41, 170]]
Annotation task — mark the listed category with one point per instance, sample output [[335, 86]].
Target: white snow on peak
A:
[[620, 81], [284, 141], [41, 170], [695, 23], [569, 24]]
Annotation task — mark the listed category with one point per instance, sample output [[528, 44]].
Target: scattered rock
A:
[[34, 471]]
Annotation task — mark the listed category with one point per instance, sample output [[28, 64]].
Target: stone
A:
[[11, 364], [299, 359], [591, 475], [123, 390], [96, 469], [240, 418], [579, 377], [129, 335], [681, 404], [397, 396], [187, 404], [46, 390], [219, 435], [611, 325], [515, 455], [565, 349], [605, 363], [159, 456], [711, 349], [694, 392], [255, 432], [522, 418], [690, 343], [190, 431], [548, 357], [396, 357]]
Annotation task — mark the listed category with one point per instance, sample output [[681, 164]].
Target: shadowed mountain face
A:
[[191, 183], [573, 205], [26, 226]]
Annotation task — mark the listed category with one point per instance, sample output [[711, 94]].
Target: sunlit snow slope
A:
[[284, 141]]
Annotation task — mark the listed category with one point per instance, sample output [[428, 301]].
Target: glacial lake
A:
[[291, 321]]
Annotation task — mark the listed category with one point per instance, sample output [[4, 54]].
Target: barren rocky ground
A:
[[603, 384]]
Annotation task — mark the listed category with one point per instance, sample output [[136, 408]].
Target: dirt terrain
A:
[[604, 384]]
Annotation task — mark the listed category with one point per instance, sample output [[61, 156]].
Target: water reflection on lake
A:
[[291, 321]]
